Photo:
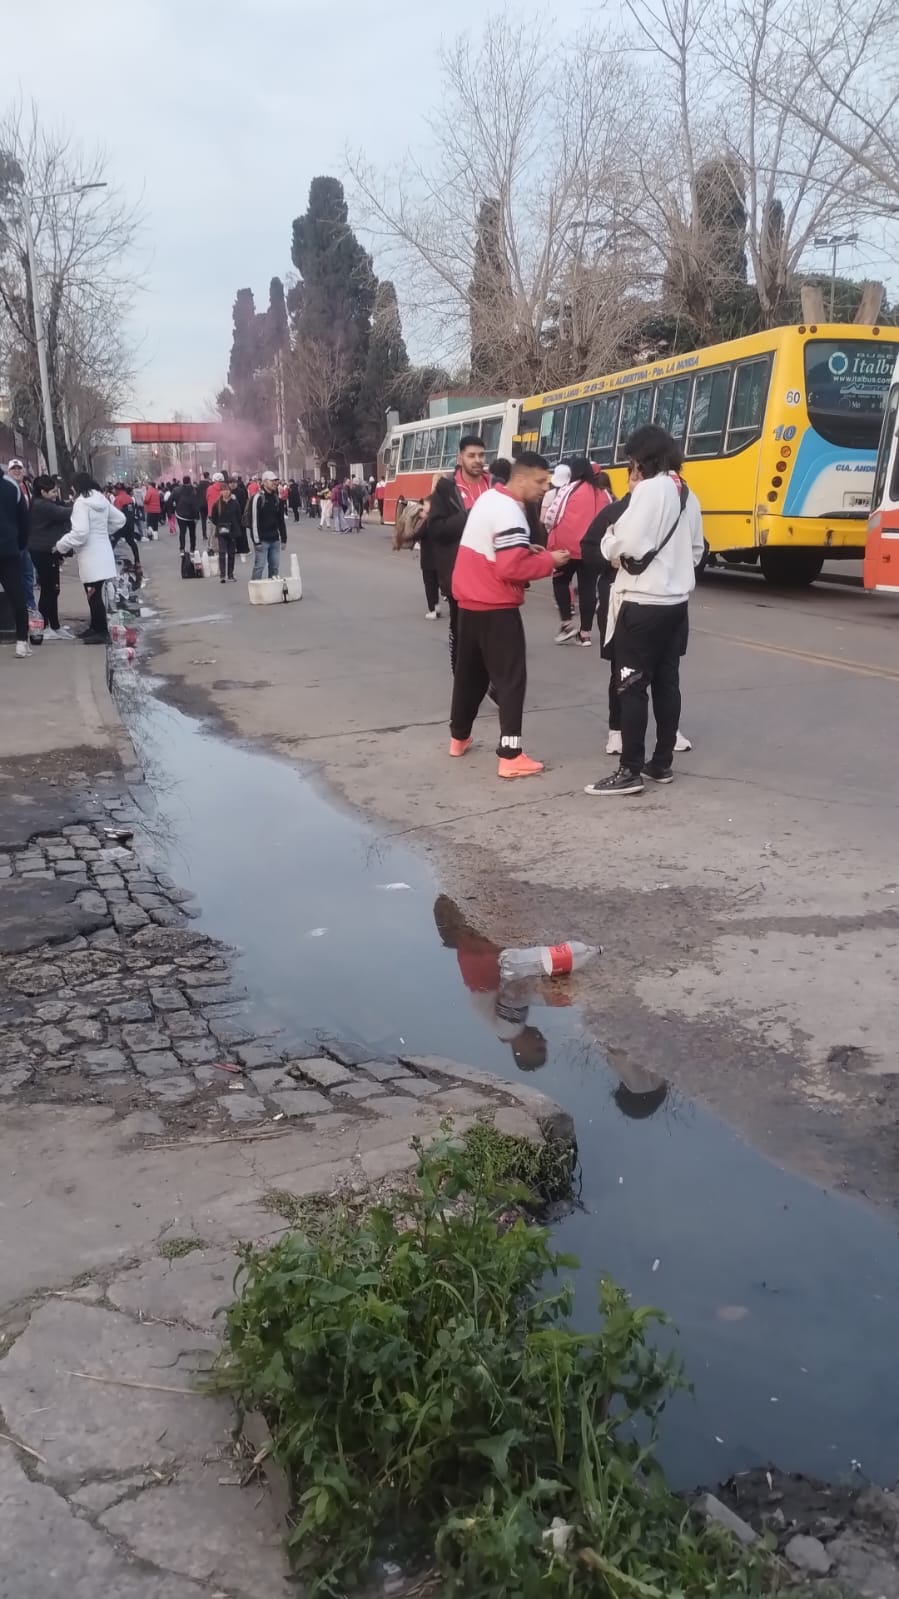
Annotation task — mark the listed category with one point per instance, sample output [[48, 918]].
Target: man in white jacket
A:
[[656, 545]]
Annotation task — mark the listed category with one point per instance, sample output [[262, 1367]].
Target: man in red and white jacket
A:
[[496, 560]]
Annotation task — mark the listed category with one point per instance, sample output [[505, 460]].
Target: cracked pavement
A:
[[132, 1165]]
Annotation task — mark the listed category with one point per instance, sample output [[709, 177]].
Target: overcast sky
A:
[[219, 115], [216, 116]]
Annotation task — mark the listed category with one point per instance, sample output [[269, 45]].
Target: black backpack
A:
[[187, 566]]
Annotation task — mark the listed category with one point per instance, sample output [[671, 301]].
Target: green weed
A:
[[431, 1404]]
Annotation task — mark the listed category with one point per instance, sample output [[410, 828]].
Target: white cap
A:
[[269, 477], [218, 477], [16, 462], [561, 477]]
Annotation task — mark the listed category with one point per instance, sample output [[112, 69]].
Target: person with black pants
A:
[[226, 519], [494, 563], [49, 520], [655, 545], [94, 523], [13, 540], [452, 498], [186, 510], [578, 505], [601, 577], [126, 506], [203, 487]]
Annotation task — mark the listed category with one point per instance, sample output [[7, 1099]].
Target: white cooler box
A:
[[275, 590]]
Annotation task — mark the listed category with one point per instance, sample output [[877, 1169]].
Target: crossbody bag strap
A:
[[635, 565]]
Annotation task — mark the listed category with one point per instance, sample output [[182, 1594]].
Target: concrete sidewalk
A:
[[55, 707]]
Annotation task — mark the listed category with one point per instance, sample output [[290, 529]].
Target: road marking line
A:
[[859, 667]]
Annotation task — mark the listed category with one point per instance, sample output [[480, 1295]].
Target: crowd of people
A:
[[41, 523], [485, 534], [39, 527]]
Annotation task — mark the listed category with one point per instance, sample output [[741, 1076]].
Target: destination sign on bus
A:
[[618, 380]]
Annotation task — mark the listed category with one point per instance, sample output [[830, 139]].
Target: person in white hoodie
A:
[[93, 520], [656, 546]]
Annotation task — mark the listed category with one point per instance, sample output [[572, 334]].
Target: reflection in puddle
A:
[[676, 1206]]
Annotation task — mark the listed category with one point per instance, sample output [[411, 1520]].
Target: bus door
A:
[[881, 569]]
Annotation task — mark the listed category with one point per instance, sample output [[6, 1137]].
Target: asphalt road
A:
[[749, 913]]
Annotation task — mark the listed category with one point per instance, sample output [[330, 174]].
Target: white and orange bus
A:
[[414, 451], [882, 548]]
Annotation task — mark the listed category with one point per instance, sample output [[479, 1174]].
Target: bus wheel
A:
[[791, 569]]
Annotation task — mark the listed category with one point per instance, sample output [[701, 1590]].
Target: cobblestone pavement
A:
[[150, 1119], [138, 1008]]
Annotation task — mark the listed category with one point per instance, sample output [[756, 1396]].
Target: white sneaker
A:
[[681, 744], [22, 649], [566, 633], [431, 616], [59, 635], [613, 743]]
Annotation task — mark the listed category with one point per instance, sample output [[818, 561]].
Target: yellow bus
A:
[[779, 432]]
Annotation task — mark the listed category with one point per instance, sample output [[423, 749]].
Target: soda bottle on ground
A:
[[546, 960]]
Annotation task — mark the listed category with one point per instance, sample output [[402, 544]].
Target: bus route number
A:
[[785, 433], [793, 396]]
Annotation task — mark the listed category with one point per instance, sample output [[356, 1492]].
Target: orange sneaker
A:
[[523, 766], [460, 746]]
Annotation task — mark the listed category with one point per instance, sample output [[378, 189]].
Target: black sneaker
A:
[[658, 774], [621, 782], [94, 638]]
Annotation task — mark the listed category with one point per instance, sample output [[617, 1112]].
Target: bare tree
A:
[[837, 73], [83, 243], [317, 377], [739, 76], [510, 240]]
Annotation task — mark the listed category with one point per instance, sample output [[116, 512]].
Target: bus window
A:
[[846, 384], [550, 445], [406, 456], [887, 437], [392, 459], [636, 408], [747, 406], [435, 447], [491, 432], [577, 422], [672, 406], [710, 394], [604, 429], [451, 445], [420, 451]]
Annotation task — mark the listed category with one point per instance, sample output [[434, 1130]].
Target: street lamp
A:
[[40, 335], [835, 242]]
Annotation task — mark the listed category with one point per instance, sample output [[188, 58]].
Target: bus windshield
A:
[[846, 383]]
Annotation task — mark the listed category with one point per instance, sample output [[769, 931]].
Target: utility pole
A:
[[834, 243], [40, 333], [282, 420], [40, 339]]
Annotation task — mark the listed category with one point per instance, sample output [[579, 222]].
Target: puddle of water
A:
[[785, 1297]]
